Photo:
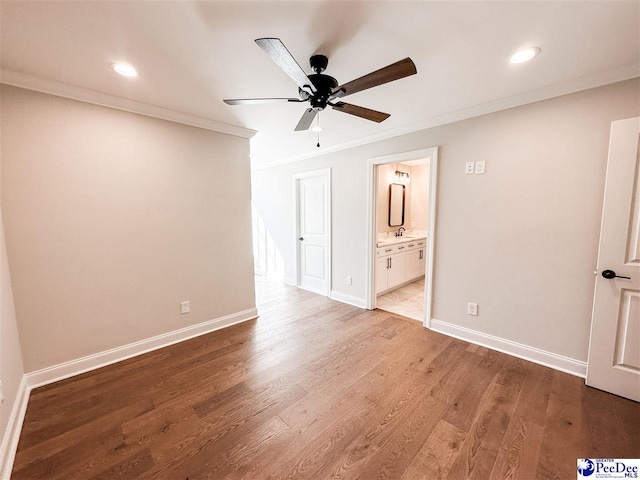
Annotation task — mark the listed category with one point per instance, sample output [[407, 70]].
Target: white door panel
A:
[[313, 227], [614, 349], [313, 206], [313, 261]]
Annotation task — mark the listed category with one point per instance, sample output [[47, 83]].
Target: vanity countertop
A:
[[396, 240]]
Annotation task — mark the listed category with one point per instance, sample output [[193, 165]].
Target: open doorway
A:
[[402, 191]]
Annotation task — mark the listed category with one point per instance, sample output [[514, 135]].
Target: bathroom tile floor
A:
[[407, 301]]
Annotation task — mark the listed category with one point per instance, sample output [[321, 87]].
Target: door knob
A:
[[609, 274], [301, 239]]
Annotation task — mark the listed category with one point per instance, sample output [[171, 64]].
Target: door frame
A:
[[372, 215], [296, 177]]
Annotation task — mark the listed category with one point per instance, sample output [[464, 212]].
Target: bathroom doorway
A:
[[401, 226]]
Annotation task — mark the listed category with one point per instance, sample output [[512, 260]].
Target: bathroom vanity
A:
[[399, 260]]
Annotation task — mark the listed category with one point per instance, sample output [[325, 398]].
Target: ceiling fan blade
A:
[[258, 101], [306, 120], [392, 72], [279, 54], [362, 112]]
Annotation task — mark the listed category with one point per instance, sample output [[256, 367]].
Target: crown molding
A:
[[599, 79], [60, 89]]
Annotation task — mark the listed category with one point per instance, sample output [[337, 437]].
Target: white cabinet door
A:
[[396, 272], [421, 253], [411, 265], [382, 272]]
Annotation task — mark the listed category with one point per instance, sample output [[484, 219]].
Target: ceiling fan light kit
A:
[[322, 90]]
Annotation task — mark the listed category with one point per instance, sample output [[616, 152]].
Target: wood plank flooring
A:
[[316, 389]]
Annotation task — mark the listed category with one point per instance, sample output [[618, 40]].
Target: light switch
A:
[[469, 168], [480, 165]]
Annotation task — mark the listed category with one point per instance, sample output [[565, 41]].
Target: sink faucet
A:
[[400, 230]]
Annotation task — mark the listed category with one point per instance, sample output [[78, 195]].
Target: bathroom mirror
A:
[[396, 205]]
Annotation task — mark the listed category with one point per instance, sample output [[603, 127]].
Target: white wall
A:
[[11, 368], [420, 175], [521, 240], [112, 219]]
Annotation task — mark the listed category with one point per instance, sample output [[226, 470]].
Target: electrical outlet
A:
[[185, 307], [349, 280], [480, 167], [469, 168], [472, 309], [413, 224]]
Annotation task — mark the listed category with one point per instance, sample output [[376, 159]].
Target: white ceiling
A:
[[191, 55]]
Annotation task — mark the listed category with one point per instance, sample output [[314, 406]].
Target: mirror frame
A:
[[404, 190]]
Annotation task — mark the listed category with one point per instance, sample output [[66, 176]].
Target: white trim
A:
[[101, 359], [289, 281], [296, 177], [372, 215], [65, 90], [431, 238], [599, 79], [535, 355], [14, 427], [350, 299]]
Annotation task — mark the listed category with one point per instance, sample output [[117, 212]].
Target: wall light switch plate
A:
[[469, 168], [349, 280], [472, 309], [480, 167], [185, 307]]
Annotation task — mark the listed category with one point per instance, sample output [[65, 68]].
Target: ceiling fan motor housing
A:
[[325, 85]]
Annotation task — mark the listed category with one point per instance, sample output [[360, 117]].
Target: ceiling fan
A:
[[323, 90]]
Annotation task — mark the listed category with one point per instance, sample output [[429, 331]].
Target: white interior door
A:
[[313, 231], [614, 350]]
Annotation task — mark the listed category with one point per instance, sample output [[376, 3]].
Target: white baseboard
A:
[[351, 300], [14, 427], [289, 281], [97, 360], [535, 355]]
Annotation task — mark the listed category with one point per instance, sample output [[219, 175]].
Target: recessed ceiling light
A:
[[317, 128], [124, 69], [524, 55]]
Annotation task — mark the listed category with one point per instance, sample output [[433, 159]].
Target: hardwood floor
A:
[[318, 389]]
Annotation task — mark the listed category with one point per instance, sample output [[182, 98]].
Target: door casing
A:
[[372, 180]]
